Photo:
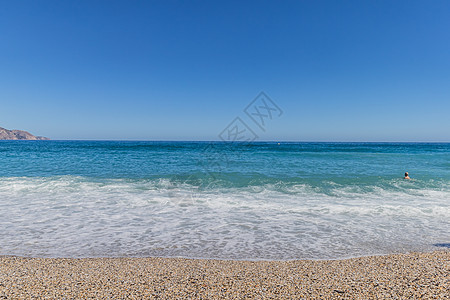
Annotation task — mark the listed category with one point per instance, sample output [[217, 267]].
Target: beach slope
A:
[[399, 276]]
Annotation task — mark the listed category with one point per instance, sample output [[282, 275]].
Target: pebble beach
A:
[[396, 276]]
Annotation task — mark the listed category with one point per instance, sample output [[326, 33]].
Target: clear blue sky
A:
[[182, 70]]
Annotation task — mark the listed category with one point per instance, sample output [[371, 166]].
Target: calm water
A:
[[233, 201]]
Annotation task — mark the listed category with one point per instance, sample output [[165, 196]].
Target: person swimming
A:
[[407, 176]]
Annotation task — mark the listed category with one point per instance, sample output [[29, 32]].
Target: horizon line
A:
[[222, 141]]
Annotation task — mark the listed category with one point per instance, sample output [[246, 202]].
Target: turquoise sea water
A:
[[222, 200]]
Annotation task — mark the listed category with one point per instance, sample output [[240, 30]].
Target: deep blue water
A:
[[222, 200]]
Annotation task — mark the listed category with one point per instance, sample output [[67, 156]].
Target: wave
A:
[[79, 216], [234, 182]]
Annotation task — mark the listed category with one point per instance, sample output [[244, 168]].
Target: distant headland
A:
[[6, 134]]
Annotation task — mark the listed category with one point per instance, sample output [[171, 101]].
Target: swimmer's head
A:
[[406, 174]]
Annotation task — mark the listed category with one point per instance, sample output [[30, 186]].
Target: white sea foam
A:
[[82, 217]]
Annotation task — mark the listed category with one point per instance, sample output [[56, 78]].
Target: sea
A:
[[222, 200]]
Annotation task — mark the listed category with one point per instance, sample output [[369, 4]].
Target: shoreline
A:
[[423, 251], [411, 275]]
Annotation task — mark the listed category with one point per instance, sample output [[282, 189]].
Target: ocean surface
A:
[[222, 200]]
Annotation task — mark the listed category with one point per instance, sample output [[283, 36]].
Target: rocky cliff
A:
[[6, 134]]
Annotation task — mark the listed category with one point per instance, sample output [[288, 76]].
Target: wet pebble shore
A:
[[398, 276]]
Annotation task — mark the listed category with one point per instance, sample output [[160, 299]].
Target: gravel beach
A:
[[398, 276]]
